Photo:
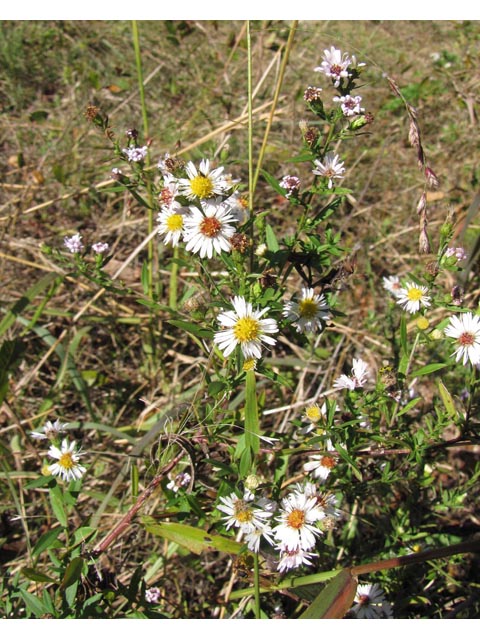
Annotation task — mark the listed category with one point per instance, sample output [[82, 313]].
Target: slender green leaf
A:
[[271, 239], [409, 406], [34, 605], [36, 576], [403, 336], [349, 460], [58, 505], [335, 599], [194, 539], [47, 541], [192, 328], [72, 573], [25, 300], [288, 583], [447, 400], [429, 368], [252, 427]]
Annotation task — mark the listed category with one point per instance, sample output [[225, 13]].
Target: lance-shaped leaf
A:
[[335, 600], [252, 428], [194, 539]]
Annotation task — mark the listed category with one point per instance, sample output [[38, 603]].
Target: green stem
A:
[[407, 369], [173, 290], [143, 105], [256, 584], [250, 120]]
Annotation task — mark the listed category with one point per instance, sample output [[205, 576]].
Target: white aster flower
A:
[[73, 243], [371, 603], [465, 330], [169, 190], [314, 414], [238, 204], [294, 558], [357, 379], [321, 464], [412, 296], [135, 154], [152, 595], [180, 481], [296, 528], [350, 105], [242, 513], [245, 327], [68, 466], [330, 168], [254, 537], [456, 252], [310, 313], [171, 223], [100, 247], [393, 285], [334, 65], [291, 184], [203, 183], [50, 431], [209, 231]]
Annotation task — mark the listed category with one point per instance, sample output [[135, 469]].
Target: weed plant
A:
[[253, 391]]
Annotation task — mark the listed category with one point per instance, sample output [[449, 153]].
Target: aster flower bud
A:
[[240, 242], [457, 295], [422, 204], [361, 121], [424, 242], [431, 177], [252, 482]]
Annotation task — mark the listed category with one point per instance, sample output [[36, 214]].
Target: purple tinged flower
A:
[[350, 105], [135, 154], [291, 184], [330, 168], [73, 243], [100, 247]]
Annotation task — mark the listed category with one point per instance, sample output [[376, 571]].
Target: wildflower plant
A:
[[267, 501]]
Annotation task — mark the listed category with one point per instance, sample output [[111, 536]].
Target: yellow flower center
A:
[[414, 294], [66, 461], [246, 329], [307, 308], [202, 187], [242, 512], [296, 519], [175, 222], [210, 227], [313, 413], [249, 364]]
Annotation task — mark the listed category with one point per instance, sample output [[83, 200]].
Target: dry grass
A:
[[55, 172]]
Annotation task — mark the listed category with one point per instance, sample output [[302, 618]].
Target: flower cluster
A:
[[200, 209], [292, 528], [66, 454]]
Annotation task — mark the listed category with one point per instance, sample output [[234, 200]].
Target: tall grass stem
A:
[[143, 106]]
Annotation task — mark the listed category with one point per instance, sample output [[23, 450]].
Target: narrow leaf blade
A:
[[334, 601]]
